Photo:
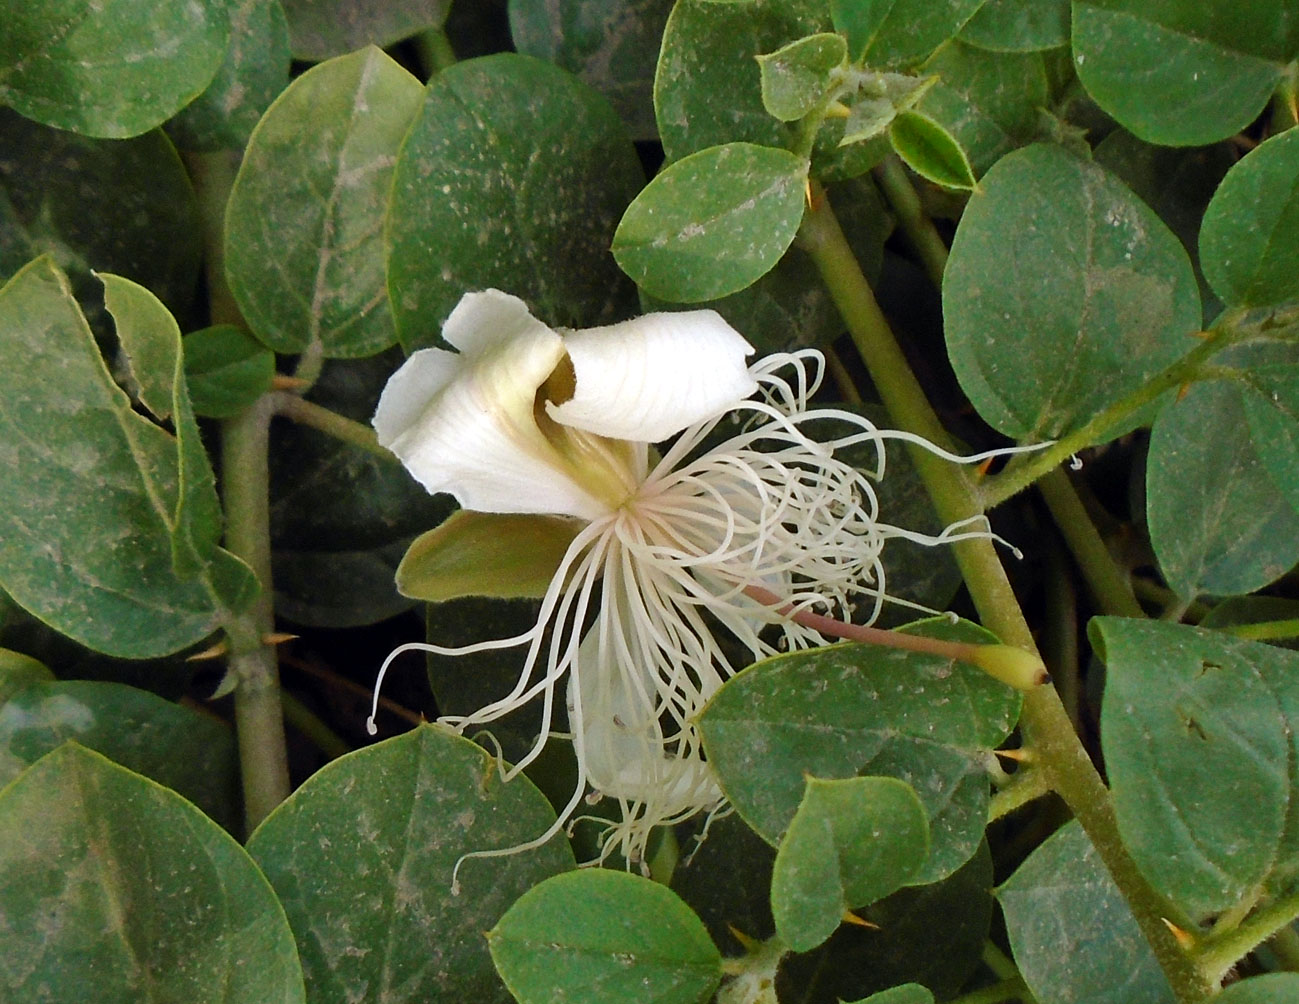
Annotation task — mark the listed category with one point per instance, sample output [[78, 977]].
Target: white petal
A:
[[475, 436], [653, 376], [481, 320], [408, 392]]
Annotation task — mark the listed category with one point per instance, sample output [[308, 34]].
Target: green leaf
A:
[[87, 540], [898, 33], [362, 855], [1270, 988], [1198, 730], [151, 347], [255, 70], [604, 937], [988, 101], [486, 554], [118, 890], [907, 993], [304, 250], [184, 750], [931, 151], [1018, 25], [851, 842], [851, 710], [1249, 244], [1071, 932], [321, 29], [1217, 522], [1272, 410], [121, 206], [1181, 73], [612, 47], [1062, 294], [226, 370], [797, 77], [19, 671], [111, 69], [513, 176], [708, 90], [713, 223], [932, 935]]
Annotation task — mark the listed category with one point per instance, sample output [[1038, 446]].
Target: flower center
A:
[[605, 468]]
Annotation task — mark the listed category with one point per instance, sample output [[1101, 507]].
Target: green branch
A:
[[329, 422], [918, 227], [1046, 724], [1018, 476], [1216, 955]]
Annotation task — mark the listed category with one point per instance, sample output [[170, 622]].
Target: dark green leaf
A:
[[255, 70], [19, 671], [1072, 934], [988, 101], [613, 45], [708, 89], [362, 858], [851, 710], [123, 206], [226, 370], [1199, 733], [89, 529], [1249, 245], [513, 176], [304, 246], [931, 151], [797, 77], [1182, 73], [851, 842], [117, 890], [339, 588], [1018, 25], [486, 554], [1217, 521], [319, 29], [1063, 293], [1270, 988], [889, 33], [184, 750], [713, 223], [110, 69], [604, 937]]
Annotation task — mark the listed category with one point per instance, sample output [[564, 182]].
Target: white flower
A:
[[524, 419]]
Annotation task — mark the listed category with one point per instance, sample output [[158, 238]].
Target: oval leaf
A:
[[486, 554], [604, 937], [850, 710], [896, 33], [1063, 293], [513, 177], [797, 77], [108, 68], [1270, 988], [320, 29], [931, 151], [151, 899], [1071, 932], [362, 857], [1217, 522], [255, 71], [713, 223], [1019, 25], [1199, 734], [1182, 74], [226, 370], [304, 250], [1249, 242], [850, 843]]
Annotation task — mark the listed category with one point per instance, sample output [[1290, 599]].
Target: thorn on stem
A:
[[211, 652]]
